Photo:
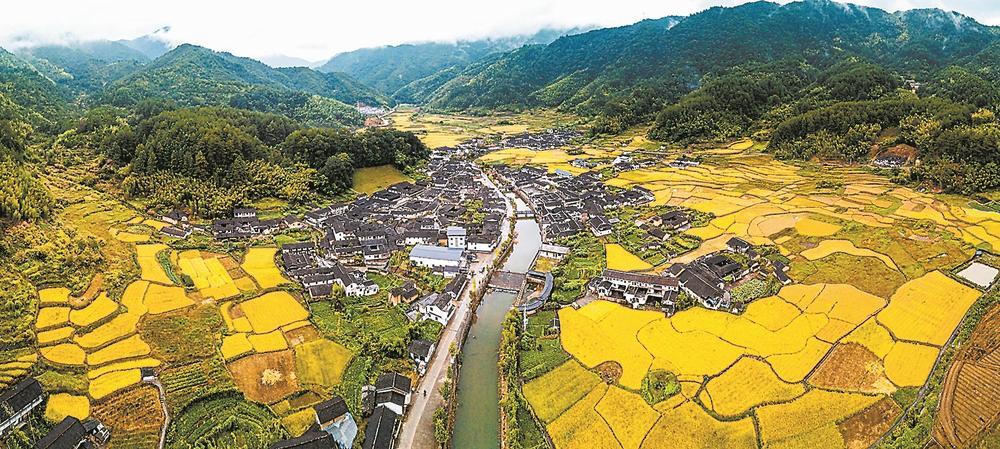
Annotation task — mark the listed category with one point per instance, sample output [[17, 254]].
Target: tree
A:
[[337, 173]]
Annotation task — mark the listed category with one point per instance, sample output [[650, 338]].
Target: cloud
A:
[[316, 30]]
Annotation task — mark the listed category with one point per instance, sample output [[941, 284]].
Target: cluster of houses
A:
[[319, 273], [387, 400], [20, 402], [707, 280], [567, 204]]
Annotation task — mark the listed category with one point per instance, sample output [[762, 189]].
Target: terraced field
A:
[[872, 304]]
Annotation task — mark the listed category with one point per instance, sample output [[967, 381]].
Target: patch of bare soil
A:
[[610, 372]]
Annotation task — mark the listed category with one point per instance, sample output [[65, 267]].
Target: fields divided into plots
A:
[[815, 365]]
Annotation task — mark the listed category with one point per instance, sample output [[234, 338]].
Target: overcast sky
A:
[[316, 30]]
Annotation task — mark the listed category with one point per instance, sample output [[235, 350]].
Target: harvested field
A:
[[266, 378], [134, 414], [864, 429], [852, 367]]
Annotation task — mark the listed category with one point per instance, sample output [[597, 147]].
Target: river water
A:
[[478, 414]]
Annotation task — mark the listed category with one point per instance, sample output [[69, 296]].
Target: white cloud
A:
[[316, 30]]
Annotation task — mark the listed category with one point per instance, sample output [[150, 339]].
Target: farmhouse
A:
[[599, 225], [392, 390], [703, 285], [421, 351], [636, 289], [70, 433], [17, 403], [404, 294], [456, 237], [335, 419], [437, 307]]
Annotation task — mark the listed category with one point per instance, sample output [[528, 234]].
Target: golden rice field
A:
[[872, 333], [620, 259], [372, 179], [61, 405], [259, 264], [210, 277]]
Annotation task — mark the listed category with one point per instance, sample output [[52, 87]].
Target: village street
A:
[[418, 425]]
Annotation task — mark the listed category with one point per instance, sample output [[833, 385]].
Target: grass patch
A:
[[183, 337], [659, 385], [585, 260]]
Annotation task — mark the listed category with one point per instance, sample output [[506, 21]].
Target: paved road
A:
[[418, 425]]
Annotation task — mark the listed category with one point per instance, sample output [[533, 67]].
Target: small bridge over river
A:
[[507, 281]]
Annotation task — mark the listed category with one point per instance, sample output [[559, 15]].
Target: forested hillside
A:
[[196, 76], [625, 74], [390, 69]]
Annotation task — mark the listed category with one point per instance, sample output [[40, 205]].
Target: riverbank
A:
[[477, 418]]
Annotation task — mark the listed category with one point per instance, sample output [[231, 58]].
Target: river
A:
[[478, 415]]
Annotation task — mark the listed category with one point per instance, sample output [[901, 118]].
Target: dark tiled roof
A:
[[395, 381], [17, 397], [65, 435], [330, 410], [311, 440], [420, 347], [381, 429]]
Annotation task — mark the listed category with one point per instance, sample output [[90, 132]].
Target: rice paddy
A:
[[368, 180], [870, 306], [259, 264]]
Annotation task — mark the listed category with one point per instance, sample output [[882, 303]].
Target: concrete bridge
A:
[[507, 281]]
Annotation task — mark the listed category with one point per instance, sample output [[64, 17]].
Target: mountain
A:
[[84, 67], [193, 75], [388, 69], [666, 58], [152, 45], [30, 95]]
